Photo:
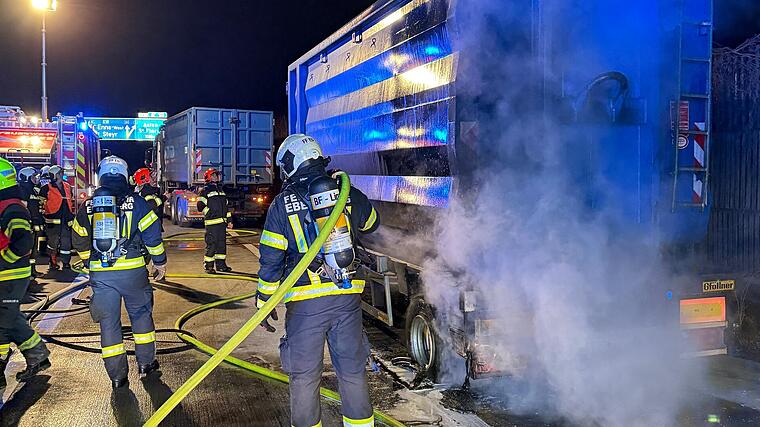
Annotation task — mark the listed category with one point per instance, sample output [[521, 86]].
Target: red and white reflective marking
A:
[[699, 162], [268, 162], [198, 161]]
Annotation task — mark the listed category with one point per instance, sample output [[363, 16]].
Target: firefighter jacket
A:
[[58, 203], [30, 193], [138, 222], [16, 240], [285, 239], [152, 195], [213, 203]]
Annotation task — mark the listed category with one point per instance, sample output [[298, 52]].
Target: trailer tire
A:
[[174, 211], [422, 338]]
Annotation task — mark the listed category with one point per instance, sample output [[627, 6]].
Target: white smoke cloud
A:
[[578, 295]]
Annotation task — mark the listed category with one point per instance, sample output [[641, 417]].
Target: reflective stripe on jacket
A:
[[285, 239]]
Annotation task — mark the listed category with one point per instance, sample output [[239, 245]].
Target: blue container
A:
[[393, 99], [236, 142]]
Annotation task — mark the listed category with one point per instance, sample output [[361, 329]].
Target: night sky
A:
[[117, 57]]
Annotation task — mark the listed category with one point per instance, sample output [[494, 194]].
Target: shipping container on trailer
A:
[[388, 98], [238, 143]]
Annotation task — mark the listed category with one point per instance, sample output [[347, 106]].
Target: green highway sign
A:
[[125, 129]]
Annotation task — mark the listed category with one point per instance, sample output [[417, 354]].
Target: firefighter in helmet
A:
[[58, 209], [149, 192], [320, 306], [28, 182], [16, 239], [110, 232], [212, 202]]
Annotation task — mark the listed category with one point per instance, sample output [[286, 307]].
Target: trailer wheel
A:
[[422, 338], [174, 212]]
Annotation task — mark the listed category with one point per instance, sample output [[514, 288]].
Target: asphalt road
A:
[[77, 392]]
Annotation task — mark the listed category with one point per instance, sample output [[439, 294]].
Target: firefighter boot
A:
[[222, 267], [209, 267], [36, 362], [3, 364], [148, 369]]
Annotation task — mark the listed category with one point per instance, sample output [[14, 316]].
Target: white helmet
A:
[[113, 165], [296, 150], [55, 171], [27, 174]]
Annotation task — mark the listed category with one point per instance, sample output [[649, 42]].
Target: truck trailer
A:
[[238, 143], [390, 98]]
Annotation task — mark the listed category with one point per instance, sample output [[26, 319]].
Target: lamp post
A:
[[46, 6]]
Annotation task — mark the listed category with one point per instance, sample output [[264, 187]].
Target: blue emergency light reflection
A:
[[441, 134], [83, 126], [433, 50]]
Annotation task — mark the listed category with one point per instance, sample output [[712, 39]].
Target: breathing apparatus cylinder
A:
[[338, 250], [105, 226]]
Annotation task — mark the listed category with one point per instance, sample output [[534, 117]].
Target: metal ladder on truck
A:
[[690, 115]]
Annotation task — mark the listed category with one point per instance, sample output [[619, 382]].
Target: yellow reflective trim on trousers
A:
[[112, 350], [17, 223], [5, 349], [15, 273], [274, 240], [30, 343], [268, 288], [370, 221], [214, 221], [84, 254], [147, 221], [120, 264], [79, 229], [300, 293], [156, 250], [208, 259], [220, 256], [145, 338], [295, 225], [9, 256], [366, 422]]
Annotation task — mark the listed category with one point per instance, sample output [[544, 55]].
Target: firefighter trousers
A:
[[108, 290], [308, 324], [216, 244], [59, 241], [13, 325]]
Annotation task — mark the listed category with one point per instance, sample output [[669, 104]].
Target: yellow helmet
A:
[[7, 174]]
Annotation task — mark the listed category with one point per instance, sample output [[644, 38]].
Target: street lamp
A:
[[46, 6]]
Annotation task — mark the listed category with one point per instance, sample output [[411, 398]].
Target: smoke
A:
[[576, 289]]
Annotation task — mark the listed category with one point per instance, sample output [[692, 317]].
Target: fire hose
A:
[[223, 353]]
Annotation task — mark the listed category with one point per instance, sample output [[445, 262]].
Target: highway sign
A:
[[125, 129]]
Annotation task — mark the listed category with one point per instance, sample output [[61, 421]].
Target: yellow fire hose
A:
[[223, 353]]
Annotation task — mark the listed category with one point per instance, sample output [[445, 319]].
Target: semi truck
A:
[[238, 143], [390, 97]]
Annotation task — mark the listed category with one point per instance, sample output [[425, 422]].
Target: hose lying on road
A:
[[177, 237], [223, 353]]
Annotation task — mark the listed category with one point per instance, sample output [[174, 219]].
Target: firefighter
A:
[[58, 208], [28, 179], [212, 201], [317, 307], [149, 192], [109, 233], [16, 239]]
